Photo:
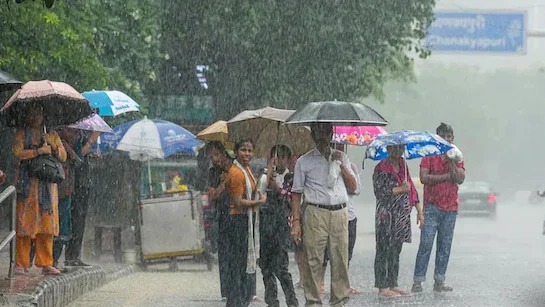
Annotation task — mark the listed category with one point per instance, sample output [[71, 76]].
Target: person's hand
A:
[[272, 163], [44, 150], [420, 219], [3, 177], [337, 155], [296, 231], [262, 198], [404, 187]]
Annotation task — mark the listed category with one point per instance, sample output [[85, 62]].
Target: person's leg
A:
[[222, 257], [57, 251], [445, 234], [266, 263], [79, 208], [393, 268], [338, 254], [382, 251], [237, 233], [427, 235], [283, 274], [315, 238], [22, 246], [352, 232]]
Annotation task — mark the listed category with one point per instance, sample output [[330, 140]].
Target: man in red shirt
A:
[[440, 176]]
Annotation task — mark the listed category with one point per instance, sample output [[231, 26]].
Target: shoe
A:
[[19, 270], [417, 287], [77, 263], [49, 270], [440, 287]]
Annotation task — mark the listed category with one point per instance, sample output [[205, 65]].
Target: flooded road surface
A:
[[494, 262]]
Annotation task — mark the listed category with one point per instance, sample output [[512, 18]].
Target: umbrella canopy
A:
[[148, 139], [266, 128], [338, 113], [216, 132], [418, 144], [61, 103], [111, 103], [92, 123], [8, 82], [360, 135]]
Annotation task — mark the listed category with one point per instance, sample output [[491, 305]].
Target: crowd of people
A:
[[311, 205]]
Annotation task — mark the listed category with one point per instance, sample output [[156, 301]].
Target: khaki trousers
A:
[[323, 228]]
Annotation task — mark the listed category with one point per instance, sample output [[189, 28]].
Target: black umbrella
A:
[[338, 113], [8, 82]]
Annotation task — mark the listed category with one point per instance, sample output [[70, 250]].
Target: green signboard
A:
[[183, 109]]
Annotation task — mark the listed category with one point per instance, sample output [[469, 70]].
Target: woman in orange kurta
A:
[[37, 215]]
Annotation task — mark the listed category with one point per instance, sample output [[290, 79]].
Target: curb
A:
[[62, 290]]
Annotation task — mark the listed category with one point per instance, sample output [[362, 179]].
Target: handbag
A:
[[47, 168]]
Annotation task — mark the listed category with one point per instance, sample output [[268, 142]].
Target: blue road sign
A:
[[478, 32]]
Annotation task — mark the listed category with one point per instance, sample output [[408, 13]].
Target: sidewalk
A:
[[34, 289]]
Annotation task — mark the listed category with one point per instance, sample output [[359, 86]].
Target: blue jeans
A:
[[442, 223]]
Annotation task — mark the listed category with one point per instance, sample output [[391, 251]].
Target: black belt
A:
[[329, 207]]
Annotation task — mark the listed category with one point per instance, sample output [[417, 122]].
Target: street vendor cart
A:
[[171, 226]]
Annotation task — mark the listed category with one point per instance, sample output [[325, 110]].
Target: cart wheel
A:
[[173, 266], [144, 265], [209, 264]]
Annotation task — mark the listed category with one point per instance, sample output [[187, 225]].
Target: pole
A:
[[149, 180]]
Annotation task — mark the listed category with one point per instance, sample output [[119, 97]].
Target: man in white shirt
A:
[[325, 178], [352, 221]]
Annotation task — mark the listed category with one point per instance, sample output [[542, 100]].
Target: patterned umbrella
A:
[[418, 144], [359, 135]]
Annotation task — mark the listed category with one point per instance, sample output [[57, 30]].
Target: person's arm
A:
[[457, 172], [236, 182], [57, 148], [346, 172], [425, 173], [296, 216], [358, 178], [19, 147], [86, 149], [420, 214]]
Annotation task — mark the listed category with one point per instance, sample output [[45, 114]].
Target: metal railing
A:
[[10, 238]]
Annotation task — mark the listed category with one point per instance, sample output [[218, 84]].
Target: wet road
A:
[[493, 263]]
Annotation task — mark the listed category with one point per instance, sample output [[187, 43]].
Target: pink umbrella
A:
[[92, 123], [356, 135]]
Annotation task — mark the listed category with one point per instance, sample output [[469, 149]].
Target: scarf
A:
[[24, 182], [253, 232], [386, 167]]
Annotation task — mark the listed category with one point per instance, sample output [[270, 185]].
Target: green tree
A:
[[286, 53]]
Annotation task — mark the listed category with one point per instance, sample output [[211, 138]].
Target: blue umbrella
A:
[[418, 144], [111, 103], [147, 139]]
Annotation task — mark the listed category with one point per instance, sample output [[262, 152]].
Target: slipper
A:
[[49, 270]]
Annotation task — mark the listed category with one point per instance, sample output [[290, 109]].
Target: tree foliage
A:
[[90, 44], [286, 53]]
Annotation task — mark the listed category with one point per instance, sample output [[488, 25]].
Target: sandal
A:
[[387, 293], [400, 291], [49, 270], [19, 270]]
